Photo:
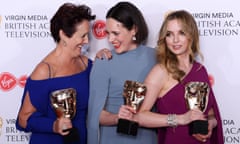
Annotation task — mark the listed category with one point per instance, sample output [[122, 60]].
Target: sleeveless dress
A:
[[174, 102], [106, 87], [40, 123]]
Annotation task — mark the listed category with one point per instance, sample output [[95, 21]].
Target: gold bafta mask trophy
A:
[[64, 103], [196, 96], [133, 93]]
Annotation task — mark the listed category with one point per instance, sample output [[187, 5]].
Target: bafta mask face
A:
[[64, 102], [134, 93], [196, 95]]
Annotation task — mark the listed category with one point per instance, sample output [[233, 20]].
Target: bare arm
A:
[[212, 119], [156, 82], [25, 112], [107, 118], [151, 119]]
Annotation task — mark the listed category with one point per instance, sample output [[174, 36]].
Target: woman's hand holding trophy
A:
[[64, 103]]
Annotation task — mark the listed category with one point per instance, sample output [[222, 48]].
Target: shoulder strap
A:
[[49, 68], [83, 62]]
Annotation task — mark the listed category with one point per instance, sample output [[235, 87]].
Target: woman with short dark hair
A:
[[65, 68]]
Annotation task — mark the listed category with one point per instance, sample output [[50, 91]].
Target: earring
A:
[[64, 43], [134, 38]]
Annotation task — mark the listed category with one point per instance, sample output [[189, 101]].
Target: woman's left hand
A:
[[201, 137], [212, 123]]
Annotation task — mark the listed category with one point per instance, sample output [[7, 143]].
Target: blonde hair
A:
[[164, 56]]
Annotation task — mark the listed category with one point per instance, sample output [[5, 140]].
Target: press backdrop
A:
[[25, 40]]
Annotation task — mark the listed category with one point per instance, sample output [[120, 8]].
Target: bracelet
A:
[[171, 120]]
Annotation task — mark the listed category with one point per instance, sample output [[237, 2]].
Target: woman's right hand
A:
[[62, 124], [126, 112], [190, 116]]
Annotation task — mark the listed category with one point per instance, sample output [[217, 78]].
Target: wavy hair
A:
[[168, 59]]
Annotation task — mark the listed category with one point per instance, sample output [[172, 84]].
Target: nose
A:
[[175, 38], [86, 39], [110, 38]]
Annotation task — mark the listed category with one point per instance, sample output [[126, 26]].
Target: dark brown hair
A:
[[67, 17], [130, 16]]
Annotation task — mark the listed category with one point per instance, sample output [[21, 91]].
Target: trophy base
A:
[[127, 127], [73, 136], [198, 127]]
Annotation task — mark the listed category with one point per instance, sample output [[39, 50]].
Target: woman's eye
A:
[[107, 32], [168, 34], [83, 36], [182, 32], [116, 33]]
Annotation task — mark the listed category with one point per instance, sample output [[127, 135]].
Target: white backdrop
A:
[[25, 40]]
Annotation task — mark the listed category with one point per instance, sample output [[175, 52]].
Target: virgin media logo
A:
[[9, 81], [211, 79], [98, 29]]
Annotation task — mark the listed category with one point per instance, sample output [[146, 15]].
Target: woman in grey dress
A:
[[131, 60]]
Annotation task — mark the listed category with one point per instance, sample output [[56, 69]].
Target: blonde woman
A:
[[177, 52]]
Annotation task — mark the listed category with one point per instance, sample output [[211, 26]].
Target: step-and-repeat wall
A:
[[25, 40]]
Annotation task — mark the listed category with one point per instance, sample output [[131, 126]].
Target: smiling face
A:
[[119, 36], [176, 39], [78, 39]]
